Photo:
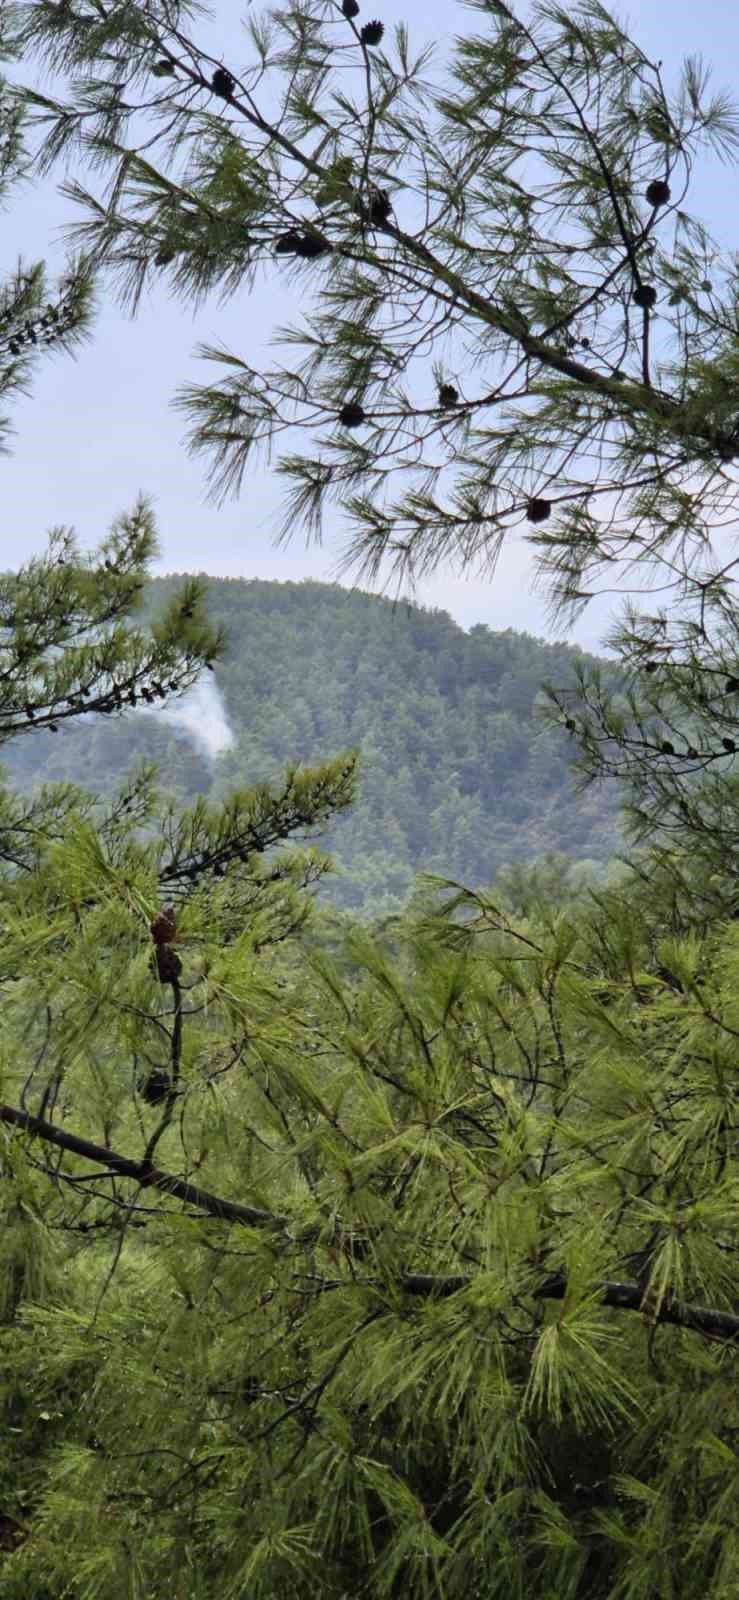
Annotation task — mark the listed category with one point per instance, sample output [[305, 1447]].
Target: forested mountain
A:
[[458, 775]]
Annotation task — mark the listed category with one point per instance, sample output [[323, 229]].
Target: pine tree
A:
[[67, 646], [31, 322], [612, 299], [599, 316], [423, 1283]]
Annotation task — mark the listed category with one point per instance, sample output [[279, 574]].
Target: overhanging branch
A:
[[621, 1296], [721, 1325], [147, 1176]]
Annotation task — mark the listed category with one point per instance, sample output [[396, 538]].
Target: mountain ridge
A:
[[457, 775]]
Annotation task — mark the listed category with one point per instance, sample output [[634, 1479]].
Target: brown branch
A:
[[148, 1177], [638, 396], [622, 1296], [721, 1325]]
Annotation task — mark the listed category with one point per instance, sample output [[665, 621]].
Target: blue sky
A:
[[99, 428]]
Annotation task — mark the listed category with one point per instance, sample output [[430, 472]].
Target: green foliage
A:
[[612, 307], [375, 1360], [456, 772], [395, 1261]]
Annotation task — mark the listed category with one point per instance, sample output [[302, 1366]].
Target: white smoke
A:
[[200, 712]]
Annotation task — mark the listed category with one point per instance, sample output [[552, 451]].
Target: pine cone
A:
[[309, 245], [379, 208], [372, 32], [169, 965], [658, 192], [163, 929], [156, 1086], [222, 83], [306, 245], [538, 510], [351, 415], [287, 244]]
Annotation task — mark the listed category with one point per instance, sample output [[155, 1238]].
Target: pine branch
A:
[[621, 1296], [713, 1324], [147, 1176]]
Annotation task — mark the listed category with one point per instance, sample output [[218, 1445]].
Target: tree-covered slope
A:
[[457, 776]]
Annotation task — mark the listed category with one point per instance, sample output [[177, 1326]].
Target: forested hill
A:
[[457, 774]]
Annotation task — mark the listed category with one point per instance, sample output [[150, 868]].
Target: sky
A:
[[99, 427]]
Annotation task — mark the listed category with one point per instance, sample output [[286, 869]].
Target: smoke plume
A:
[[201, 714]]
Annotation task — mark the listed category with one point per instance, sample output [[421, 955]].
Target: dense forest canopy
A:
[[457, 773]]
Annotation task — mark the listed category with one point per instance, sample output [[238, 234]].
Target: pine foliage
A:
[[409, 1270], [456, 773], [422, 1282], [618, 413]]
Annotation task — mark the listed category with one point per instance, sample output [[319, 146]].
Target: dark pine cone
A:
[[645, 295], [371, 33], [538, 510], [306, 245], [448, 395], [222, 83], [379, 208], [351, 415], [658, 192], [288, 243], [350, 9], [309, 245], [163, 929], [168, 962], [156, 1086]]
